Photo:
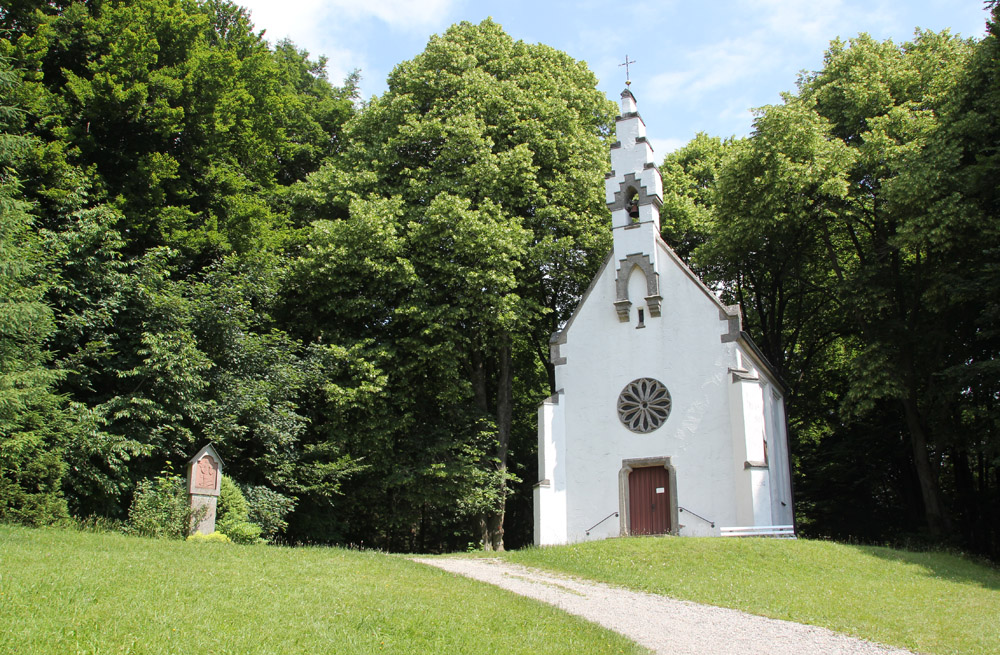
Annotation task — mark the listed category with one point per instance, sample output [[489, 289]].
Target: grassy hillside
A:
[[927, 602], [71, 592]]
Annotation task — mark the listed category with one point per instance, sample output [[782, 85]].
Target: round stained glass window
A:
[[644, 405]]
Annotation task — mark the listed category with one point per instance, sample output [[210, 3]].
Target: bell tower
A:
[[634, 194]]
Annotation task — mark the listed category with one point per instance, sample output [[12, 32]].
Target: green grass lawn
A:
[[927, 602], [72, 592]]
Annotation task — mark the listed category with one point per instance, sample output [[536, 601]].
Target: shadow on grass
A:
[[947, 566]]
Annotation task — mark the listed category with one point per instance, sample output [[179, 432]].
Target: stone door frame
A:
[[628, 465]]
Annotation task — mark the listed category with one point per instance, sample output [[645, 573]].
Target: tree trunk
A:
[[969, 514], [545, 359], [479, 380], [492, 523], [937, 520], [491, 526]]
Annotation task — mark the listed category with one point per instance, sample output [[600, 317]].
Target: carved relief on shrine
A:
[[205, 472]]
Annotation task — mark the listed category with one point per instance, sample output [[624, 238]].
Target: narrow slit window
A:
[[642, 318]]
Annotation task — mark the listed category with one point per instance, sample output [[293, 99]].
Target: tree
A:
[[815, 241], [473, 189], [165, 134], [689, 176], [186, 119], [948, 191], [31, 414]]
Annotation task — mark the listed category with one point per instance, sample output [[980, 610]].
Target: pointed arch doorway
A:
[[647, 490]]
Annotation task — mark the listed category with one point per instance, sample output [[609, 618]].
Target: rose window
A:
[[644, 405]]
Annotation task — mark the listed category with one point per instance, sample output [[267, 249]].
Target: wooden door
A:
[[649, 500]]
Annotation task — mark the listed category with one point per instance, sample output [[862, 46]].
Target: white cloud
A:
[[814, 23], [293, 17], [801, 20], [712, 68], [342, 30], [766, 36], [300, 21], [663, 147], [404, 15], [287, 19], [670, 88]]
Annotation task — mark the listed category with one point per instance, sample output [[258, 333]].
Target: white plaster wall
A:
[[683, 349], [636, 158], [761, 497], [550, 493], [627, 103], [632, 157], [627, 131], [742, 498], [611, 186], [753, 417], [753, 490], [778, 462], [636, 239]]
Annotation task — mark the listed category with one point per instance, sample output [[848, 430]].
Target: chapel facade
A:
[[667, 418]]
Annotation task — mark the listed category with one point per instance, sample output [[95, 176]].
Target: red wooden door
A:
[[649, 500]]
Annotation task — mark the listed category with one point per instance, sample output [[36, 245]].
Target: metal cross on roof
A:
[[628, 82]]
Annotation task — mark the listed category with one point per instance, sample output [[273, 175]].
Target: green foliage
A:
[[268, 509], [95, 523], [242, 532], [689, 176], [233, 515], [231, 506], [164, 134], [214, 117], [947, 191], [210, 538], [392, 327], [468, 219], [854, 228], [160, 508], [31, 414], [202, 239], [30, 490]]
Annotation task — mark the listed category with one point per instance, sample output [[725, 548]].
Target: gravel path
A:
[[663, 624]]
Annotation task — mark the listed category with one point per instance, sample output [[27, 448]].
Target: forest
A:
[[204, 239]]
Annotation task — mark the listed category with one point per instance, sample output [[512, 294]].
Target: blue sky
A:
[[700, 66]]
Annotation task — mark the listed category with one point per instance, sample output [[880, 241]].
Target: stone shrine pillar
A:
[[204, 483]]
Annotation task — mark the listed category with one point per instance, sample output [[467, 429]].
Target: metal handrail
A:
[[684, 509], [587, 531]]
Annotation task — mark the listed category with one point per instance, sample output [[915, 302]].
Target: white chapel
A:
[[666, 419]]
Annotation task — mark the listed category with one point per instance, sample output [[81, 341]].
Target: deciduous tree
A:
[[824, 241], [490, 154], [32, 416]]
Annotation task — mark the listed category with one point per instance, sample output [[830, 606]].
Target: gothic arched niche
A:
[[622, 301]]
